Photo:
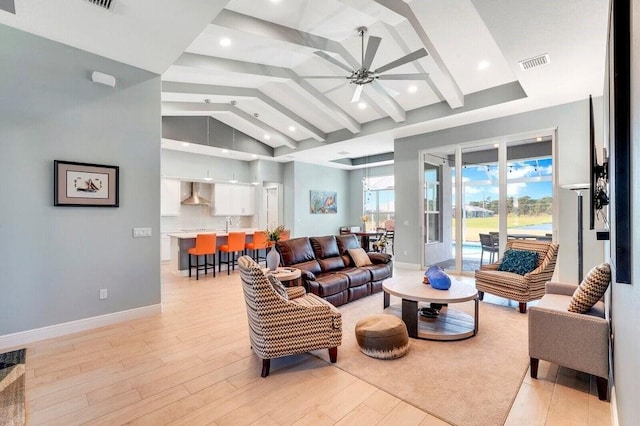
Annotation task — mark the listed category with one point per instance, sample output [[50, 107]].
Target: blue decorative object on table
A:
[[438, 278], [519, 261]]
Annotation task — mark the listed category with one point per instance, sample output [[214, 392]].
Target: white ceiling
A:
[[273, 44]]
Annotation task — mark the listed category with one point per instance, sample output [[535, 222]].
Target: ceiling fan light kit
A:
[[364, 75]]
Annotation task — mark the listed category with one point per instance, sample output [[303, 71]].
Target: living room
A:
[[57, 259]]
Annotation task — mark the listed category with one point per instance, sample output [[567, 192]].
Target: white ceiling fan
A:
[[364, 75]]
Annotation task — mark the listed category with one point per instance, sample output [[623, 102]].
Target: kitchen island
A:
[[183, 240]]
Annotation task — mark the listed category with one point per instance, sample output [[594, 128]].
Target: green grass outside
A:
[[483, 225]]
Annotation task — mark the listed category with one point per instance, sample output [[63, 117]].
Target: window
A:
[[432, 203], [379, 200]]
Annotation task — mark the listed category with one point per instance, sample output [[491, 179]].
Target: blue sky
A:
[[530, 177]]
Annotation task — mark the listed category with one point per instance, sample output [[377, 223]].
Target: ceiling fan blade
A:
[[372, 48], [387, 90], [356, 94], [401, 61], [333, 60], [334, 77], [419, 76]]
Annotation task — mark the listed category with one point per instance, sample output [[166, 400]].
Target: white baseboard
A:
[[403, 265], [24, 337], [614, 407]]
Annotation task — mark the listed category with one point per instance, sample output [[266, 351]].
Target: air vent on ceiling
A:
[[536, 61], [105, 4]]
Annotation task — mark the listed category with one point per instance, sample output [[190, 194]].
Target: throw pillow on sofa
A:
[[360, 257], [519, 261], [591, 289]]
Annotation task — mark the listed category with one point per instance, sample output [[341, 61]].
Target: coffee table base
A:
[[451, 324]]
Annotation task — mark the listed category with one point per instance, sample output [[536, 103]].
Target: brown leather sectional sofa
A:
[[329, 272]]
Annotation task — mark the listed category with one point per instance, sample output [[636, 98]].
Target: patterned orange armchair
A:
[[521, 288], [286, 321]]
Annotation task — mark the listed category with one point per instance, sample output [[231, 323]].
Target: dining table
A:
[[365, 237]]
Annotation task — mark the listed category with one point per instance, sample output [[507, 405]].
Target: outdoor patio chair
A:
[[488, 243]]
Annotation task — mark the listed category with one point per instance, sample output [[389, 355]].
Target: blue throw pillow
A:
[[438, 278], [519, 261]]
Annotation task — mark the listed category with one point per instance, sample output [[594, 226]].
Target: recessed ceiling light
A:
[[254, 156], [276, 1], [362, 105], [292, 128], [495, 145], [225, 151], [539, 139], [412, 89], [225, 41], [267, 137], [185, 143], [208, 179], [483, 65]]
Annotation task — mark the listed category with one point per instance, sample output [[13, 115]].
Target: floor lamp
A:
[[578, 188]]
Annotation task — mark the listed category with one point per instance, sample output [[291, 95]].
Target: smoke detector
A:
[[534, 62]]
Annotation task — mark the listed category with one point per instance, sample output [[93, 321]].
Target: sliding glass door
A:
[[478, 196]]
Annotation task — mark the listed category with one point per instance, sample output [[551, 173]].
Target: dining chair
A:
[[205, 245], [390, 235], [235, 245], [259, 243]]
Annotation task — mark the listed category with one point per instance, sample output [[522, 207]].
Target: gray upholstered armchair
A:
[[286, 321], [569, 339], [522, 288]]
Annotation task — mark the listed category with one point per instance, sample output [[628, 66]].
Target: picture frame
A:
[[323, 202], [85, 184]]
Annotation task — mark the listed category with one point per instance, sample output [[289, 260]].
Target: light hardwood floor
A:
[[192, 365]]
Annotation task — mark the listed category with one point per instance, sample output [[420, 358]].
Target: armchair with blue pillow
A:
[[522, 272]]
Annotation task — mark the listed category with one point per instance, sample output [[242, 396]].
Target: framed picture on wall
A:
[[85, 184], [323, 202]]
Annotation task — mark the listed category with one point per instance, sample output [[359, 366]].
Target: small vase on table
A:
[[273, 258]]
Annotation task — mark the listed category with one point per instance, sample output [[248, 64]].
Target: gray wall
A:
[[572, 160], [55, 259], [625, 304], [300, 178]]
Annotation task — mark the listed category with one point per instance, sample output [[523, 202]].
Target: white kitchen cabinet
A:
[[233, 200], [169, 197]]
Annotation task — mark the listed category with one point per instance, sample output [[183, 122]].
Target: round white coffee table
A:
[[451, 324]]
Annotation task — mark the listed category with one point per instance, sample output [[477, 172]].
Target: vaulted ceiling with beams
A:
[[285, 71]]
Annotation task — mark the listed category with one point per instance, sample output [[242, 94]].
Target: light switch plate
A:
[[141, 232]]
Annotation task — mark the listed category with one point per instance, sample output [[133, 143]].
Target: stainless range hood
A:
[[195, 199]]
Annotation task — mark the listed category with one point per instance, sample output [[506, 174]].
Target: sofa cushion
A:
[[378, 272], [325, 247], [346, 242], [329, 283], [296, 250], [331, 264], [359, 256], [357, 276], [591, 289], [519, 261]]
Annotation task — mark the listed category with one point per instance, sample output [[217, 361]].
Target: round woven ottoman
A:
[[382, 336]]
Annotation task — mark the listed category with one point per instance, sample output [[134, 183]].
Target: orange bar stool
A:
[[205, 245], [259, 243], [235, 244]]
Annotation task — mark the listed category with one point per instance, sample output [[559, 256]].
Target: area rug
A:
[[12, 405], [467, 382]]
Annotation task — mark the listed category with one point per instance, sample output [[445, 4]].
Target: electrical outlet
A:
[[141, 232], [103, 293]]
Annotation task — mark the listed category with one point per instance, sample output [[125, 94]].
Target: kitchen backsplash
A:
[[197, 217]]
